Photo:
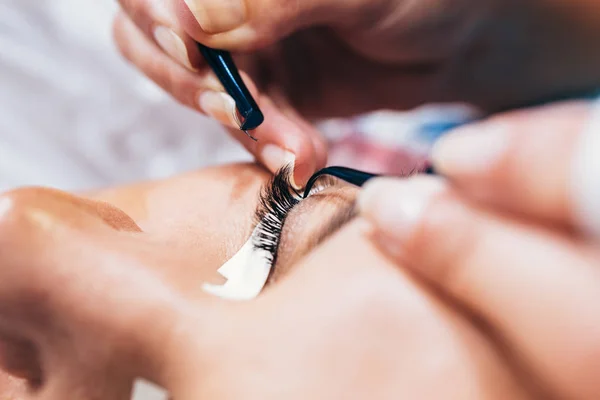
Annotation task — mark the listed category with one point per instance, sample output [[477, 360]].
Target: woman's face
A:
[[95, 291], [185, 228]]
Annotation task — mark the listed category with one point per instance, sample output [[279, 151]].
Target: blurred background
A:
[[74, 115]]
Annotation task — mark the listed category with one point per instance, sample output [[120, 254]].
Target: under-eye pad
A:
[[246, 272], [144, 390]]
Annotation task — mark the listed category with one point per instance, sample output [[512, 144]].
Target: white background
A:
[[75, 115]]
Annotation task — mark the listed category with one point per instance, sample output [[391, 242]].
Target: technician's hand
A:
[[365, 55], [513, 237]]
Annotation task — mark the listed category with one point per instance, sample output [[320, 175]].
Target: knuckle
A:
[[269, 21]]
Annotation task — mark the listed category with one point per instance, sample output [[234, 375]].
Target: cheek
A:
[[196, 233]]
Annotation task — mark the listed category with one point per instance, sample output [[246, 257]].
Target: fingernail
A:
[[210, 82], [220, 106], [585, 177], [274, 158], [395, 206], [217, 16], [173, 45], [471, 149]]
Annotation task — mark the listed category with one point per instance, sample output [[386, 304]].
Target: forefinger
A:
[[525, 161]]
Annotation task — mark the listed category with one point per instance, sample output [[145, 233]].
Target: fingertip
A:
[[305, 168], [282, 142], [321, 151], [275, 157], [318, 140], [371, 192], [471, 150], [306, 157], [396, 206]]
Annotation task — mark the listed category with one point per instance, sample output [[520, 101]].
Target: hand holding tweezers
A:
[[249, 115]]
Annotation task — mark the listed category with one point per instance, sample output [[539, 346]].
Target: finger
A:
[[182, 84], [247, 25], [522, 161], [536, 289], [281, 141], [302, 144], [318, 139], [157, 19]]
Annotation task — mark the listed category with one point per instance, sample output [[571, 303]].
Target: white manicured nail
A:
[[585, 176], [173, 45], [220, 106], [476, 147]]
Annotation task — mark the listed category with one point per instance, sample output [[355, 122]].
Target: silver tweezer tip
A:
[[250, 136]]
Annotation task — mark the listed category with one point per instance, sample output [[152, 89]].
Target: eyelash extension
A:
[[276, 200]]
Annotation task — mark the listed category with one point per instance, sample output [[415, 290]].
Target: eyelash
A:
[[276, 201]]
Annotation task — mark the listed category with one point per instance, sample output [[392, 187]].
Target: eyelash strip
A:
[[276, 200]]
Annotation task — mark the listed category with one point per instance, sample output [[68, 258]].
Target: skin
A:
[[331, 58], [510, 247], [95, 294]]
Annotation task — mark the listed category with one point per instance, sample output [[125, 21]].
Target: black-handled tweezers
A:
[[248, 113], [352, 176]]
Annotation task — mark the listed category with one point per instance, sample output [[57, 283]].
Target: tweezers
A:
[[352, 176], [248, 114]]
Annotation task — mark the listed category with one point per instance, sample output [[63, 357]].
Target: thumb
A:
[[249, 24]]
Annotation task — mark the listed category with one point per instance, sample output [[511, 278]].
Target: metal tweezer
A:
[[352, 176], [248, 113]]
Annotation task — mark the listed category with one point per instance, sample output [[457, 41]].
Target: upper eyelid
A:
[[267, 194], [324, 182]]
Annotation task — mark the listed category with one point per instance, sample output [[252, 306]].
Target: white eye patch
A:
[[144, 390], [246, 273]]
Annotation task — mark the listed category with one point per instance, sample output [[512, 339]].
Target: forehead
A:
[[311, 220]]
